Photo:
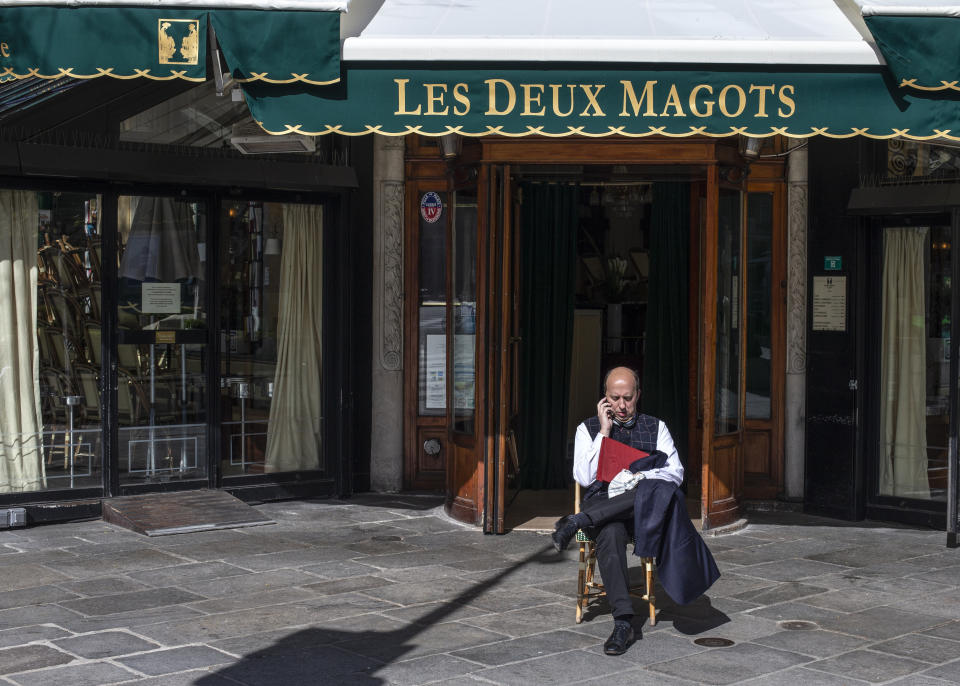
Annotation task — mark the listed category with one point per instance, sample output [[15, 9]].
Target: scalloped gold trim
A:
[[938, 134], [69, 73], [944, 85], [297, 78]]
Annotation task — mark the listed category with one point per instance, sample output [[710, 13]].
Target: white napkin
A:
[[624, 481]]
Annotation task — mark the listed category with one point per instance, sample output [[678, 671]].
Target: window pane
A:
[[915, 362], [759, 294], [161, 278], [433, 313], [728, 315], [913, 160], [464, 310], [271, 276], [161, 412], [50, 355]]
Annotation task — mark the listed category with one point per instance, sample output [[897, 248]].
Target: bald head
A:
[[620, 375], [622, 389]]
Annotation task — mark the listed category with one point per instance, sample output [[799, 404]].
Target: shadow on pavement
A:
[[695, 618], [317, 655]]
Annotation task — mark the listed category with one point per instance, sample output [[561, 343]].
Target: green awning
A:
[[606, 100], [273, 46], [280, 47], [922, 52]]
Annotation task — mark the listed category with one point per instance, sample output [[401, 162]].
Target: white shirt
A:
[[587, 450]]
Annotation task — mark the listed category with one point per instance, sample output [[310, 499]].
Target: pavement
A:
[[387, 590]]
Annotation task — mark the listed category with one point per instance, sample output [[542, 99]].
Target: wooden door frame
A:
[[721, 479], [768, 485], [500, 381], [423, 172], [466, 463]]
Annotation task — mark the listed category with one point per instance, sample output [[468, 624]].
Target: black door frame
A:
[[116, 338], [336, 367]]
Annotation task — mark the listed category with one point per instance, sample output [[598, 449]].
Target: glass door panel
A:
[[432, 351], [271, 259], [50, 409], [464, 275], [915, 361], [759, 349], [162, 340], [727, 413]]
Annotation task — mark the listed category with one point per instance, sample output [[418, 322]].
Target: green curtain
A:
[[665, 373], [548, 233]]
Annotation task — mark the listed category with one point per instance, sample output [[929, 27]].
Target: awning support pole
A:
[[215, 58]]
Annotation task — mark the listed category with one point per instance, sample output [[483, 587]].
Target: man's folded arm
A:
[[586, 452]]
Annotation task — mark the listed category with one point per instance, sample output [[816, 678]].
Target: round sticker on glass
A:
[[431, 207]]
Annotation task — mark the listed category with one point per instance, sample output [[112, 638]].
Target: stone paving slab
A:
[[382, 590], [277, 596], [870, 665], [30, 634], [37, 595], [108, 585], [130, 602], [91, 674], [175, 660], [29, 657], [729, 665], [123, 620], [188, 572], [949, 672]]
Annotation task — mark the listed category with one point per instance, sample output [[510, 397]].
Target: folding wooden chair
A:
[[589, 589]]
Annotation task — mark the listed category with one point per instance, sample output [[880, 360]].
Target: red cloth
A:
[[615, 457]]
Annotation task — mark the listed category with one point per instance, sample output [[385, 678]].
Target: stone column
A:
[[796, 382], [386, 440]]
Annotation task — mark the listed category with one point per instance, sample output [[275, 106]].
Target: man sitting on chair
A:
[[610, 522]]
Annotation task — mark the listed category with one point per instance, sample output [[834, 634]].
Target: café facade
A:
[[754, 210]]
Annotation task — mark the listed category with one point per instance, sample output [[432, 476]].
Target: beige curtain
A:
[[293, 432], [21, 448], [903, 462]]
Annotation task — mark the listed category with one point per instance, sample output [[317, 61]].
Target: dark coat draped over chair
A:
[[662, 529]]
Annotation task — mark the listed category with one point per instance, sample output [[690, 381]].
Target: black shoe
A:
[[620, 639], [563, 532]]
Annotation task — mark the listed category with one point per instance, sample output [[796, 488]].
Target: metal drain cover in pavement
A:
[[386, 539], [713, 642], [798, 625]]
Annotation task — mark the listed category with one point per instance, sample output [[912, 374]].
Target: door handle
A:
[[514, 339]]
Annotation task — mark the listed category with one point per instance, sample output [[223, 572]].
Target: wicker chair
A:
[[588, 588]]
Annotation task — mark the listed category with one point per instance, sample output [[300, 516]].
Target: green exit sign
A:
[[832, 263]]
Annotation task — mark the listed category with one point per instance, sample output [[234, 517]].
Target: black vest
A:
[[642, 436]]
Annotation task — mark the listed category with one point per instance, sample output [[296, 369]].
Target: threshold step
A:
[[163, 514]]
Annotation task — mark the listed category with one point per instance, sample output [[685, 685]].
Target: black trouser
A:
[[612, 530]]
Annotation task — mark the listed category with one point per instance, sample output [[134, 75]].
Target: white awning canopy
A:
[[811, 32]]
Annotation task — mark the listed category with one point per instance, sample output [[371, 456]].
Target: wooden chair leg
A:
[[582, 583], [591, 563], [649, 597]]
